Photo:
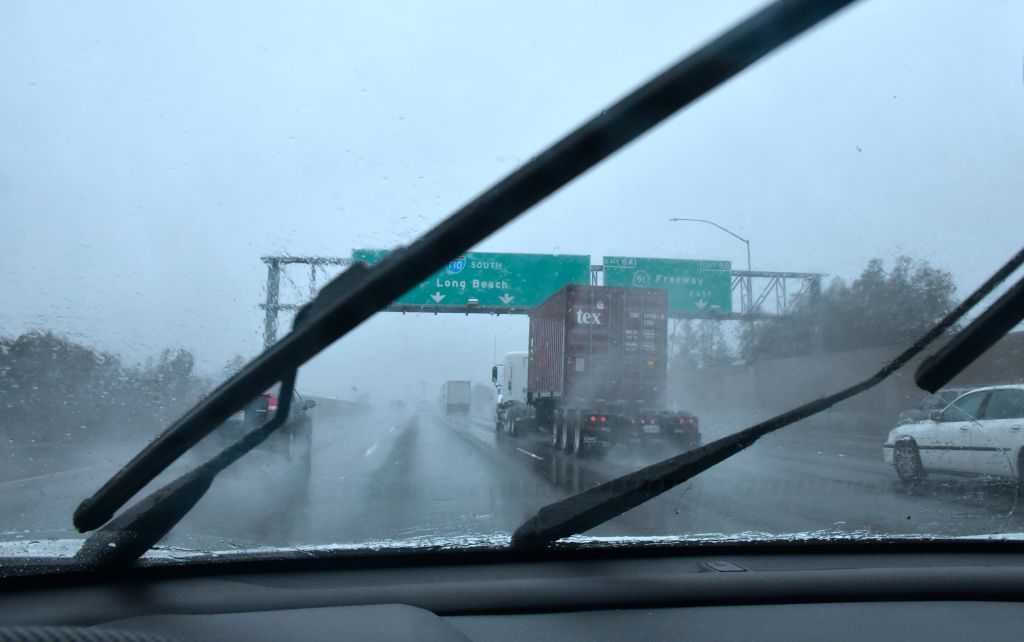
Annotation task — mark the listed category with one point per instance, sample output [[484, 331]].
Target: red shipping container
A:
[[596, 345]]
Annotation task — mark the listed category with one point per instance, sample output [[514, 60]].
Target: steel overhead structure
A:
[[272, 307], [772, 294]]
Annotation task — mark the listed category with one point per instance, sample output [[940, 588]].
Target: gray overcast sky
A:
[[153, 151]]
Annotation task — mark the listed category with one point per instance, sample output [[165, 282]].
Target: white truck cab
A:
[[509, 379]]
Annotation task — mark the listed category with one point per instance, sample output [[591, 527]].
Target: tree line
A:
[[880, 307], [53, 389]]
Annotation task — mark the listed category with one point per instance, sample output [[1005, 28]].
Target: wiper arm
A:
[[258, 375], [377, 287], [971, 342], [127, 537], [590, 508]]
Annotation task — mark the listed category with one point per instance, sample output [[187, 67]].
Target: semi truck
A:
[[597, 369], [512, 413], [455, 397]]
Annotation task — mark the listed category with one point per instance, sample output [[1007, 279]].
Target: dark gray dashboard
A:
[[726, 597]]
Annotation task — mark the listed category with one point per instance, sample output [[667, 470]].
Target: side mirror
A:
[[494, 374], [309, 404], [935, 415]]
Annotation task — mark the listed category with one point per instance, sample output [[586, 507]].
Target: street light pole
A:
[[749, 284]]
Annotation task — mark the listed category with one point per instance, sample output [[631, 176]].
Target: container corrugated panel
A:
[[546, 351], [613, 342]]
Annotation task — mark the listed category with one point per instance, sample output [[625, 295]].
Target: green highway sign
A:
[[492, 279], [693, 286]]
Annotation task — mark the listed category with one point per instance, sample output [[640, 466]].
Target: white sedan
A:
[[981, 432]]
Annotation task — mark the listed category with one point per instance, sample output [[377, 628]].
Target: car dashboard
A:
[[880, 592]]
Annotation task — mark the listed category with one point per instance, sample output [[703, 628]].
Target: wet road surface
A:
[[388, 476]]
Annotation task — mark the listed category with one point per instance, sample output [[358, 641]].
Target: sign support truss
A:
[[774, 293]]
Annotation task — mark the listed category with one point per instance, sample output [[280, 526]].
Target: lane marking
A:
[[369, 451], [527, 452], [71, 471]]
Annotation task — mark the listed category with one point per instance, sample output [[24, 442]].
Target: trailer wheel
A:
[[566, 445], [577, 435], [555, 435]]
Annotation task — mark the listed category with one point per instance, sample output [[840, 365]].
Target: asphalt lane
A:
[[388, 476]]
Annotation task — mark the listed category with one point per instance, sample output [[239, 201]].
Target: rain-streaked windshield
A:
[[176, 180]]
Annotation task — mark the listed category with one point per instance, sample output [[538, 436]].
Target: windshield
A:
[[175, 183]]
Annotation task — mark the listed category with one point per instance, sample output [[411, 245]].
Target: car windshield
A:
[[176, 181]]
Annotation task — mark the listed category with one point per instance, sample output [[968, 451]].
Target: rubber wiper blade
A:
[[971, 342], [127, 537], [375, 288], [583, 511], [257, 376]]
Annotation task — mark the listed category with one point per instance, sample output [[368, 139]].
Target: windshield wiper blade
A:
[[583, 511], [257, 376], [654, 101], [971, 342], [127, 537]]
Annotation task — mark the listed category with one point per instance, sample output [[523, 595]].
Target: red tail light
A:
[[604, 418], [271, 402], [593, 418], [682, 420]]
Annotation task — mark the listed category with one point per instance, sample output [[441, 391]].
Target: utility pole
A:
[[273, 301], [749, 289], [819, 315]]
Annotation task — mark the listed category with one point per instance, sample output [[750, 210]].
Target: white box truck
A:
[[455, 397]]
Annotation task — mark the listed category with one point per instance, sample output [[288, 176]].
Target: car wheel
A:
[[907, 461]]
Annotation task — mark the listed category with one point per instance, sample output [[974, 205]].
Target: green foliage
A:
[[701, 344], [53, 389], [878, 308], [234, 364]]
